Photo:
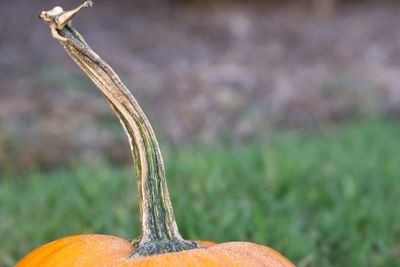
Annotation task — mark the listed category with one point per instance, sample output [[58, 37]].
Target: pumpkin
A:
[[160, 243]]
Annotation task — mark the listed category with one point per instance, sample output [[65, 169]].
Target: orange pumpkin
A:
[[160, 243], [102, 250]]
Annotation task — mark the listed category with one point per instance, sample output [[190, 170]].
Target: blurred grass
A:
[[323, 199]]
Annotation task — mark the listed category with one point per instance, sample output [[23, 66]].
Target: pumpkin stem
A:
[[159, 230]]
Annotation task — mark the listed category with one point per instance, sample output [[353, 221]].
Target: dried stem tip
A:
[[57, 18]]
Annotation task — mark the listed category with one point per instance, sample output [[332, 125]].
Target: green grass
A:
[[323, 199]]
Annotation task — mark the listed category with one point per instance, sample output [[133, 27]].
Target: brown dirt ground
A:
[[199, 72]]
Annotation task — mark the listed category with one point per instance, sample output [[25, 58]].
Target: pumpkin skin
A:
[[104, 250]]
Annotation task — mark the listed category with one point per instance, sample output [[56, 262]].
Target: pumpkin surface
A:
[[103, 250], [160, 243]]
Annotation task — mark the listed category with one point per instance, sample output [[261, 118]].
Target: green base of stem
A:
[[155, 247]]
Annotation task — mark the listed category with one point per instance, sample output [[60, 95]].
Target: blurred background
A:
[[278, 121]]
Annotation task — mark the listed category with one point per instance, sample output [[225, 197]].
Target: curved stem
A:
[[159, 230]]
